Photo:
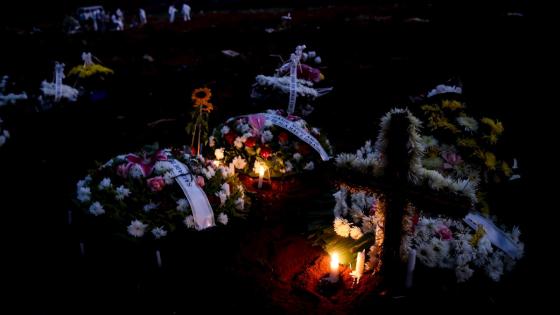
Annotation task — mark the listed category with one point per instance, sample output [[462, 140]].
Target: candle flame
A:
[[261, 169], [334, 261]]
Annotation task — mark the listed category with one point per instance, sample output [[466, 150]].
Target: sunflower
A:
[[201, 95], [204, 106]]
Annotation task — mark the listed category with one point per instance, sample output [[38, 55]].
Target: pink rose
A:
[[156, 183], [200, 181], [444, 233]]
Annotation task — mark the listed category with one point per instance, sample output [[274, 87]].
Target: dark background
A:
[[372, 65]]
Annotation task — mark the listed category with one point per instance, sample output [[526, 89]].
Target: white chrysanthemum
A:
[[239, 163], [226, 189], [122, 192], [243, 128], [268, 123], [208, 172], [495, 267], [168, 178], [137, 228], [225, 130], [240, 203], [429, 141], [238, 142], [211, 141], [182, 205], [344, 158], [136, 171], [219, 153], [288, 166], [105, 184], [84, 194], [359, 200], [356, 233], [297, 156], [189, 222], [2, 140], [223, 197], [96, 209], [440, 247], [484, 247], [341, 207], [442, 88], [83, 182], [159, 232], [426, 255], [341, 227], [150, 206], [463, 273], [309, 166], [267, 136], [223, 218], [162, 167], [469, 123]]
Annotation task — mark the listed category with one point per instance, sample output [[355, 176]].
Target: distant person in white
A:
[[143, 18], [171, 12], [118, 22], [186, 12]]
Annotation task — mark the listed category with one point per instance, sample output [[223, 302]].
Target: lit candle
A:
[[360, 261], [334, 267], [410, 268], [260, 170]]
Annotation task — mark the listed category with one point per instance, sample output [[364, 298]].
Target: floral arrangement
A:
[[9, 98], [51, 92], [4, 134], [370, 160], [458, 144], [248, 141], [89, 69], [450, 244], [137, 195], [279, 86], [198, 127], [439, 242]]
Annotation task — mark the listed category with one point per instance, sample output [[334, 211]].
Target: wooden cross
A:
[[397, 189]]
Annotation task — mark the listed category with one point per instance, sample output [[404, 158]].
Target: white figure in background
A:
[[143, 18], [172, 10], [117, 22], [119, 14], [87, 58], [186, 12]]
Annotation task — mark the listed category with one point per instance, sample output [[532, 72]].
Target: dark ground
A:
[[373, 66]]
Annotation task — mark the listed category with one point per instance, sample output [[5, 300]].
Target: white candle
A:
[[410, 268], [334, 267], [260, 170], [360, 261]]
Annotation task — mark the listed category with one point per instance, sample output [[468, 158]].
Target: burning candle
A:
[[260, 170], [360, 261], [334, 267]]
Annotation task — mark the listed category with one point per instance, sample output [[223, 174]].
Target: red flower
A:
[[230, 137], [266, 152], [283, 137], [444, 232], [251, 142]]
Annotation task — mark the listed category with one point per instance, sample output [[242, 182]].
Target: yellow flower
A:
[[430, 108], [496, 127], [506, 169], [452, 105], [477, 235], [467, 142], [490, 160], [201, 95], [89, 70], [205, 106]]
